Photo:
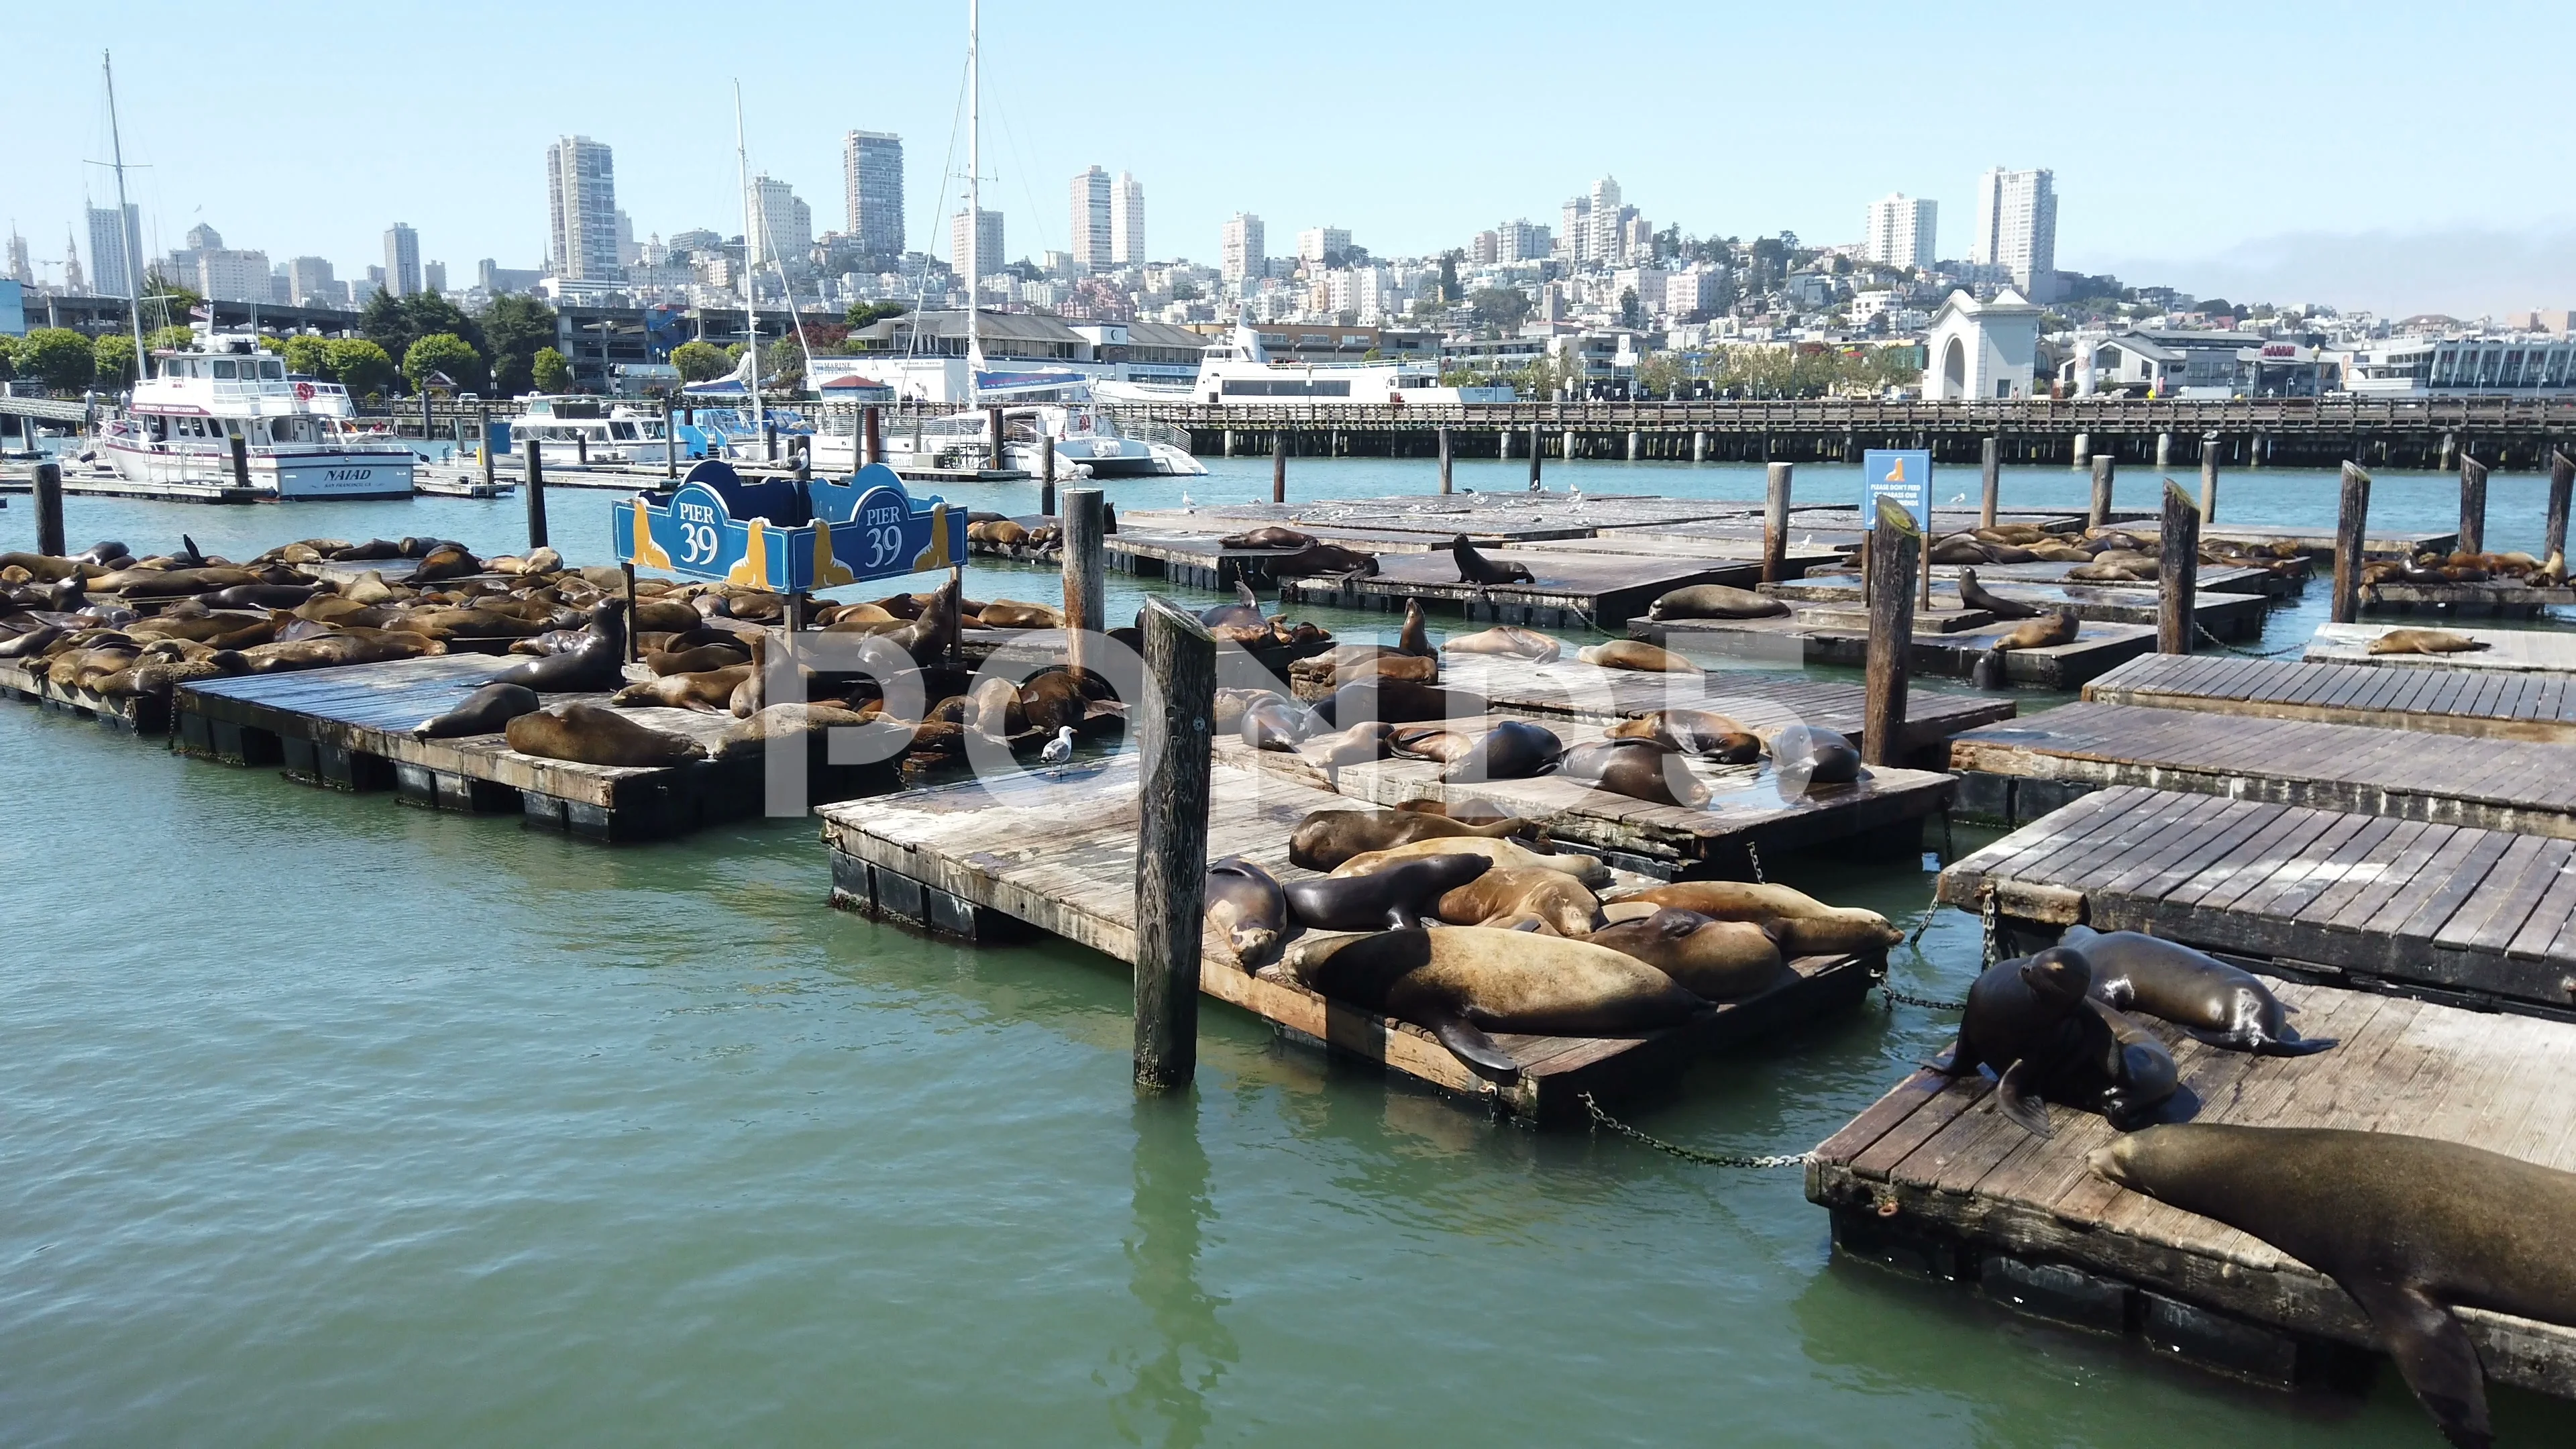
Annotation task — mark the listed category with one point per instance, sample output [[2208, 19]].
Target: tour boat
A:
[[1238, 372], [297, 433], [601, 431]]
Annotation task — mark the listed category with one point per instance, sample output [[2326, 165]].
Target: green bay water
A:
[[332, 1121]]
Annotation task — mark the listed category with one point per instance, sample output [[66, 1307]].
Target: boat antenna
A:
[[125, 240], [975, 204], [750, 290]]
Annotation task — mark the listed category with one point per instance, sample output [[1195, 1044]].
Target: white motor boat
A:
[[598, 429], [299, 435]]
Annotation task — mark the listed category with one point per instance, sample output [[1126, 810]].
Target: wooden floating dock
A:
[[2235, 618], [2508, 650], [1565, 591], [1055, 851], [1930, 1180], [2316, 543], [134, 713], [1747, 811], [2485, 917], [1822, 634], [2510, 598], [2489, 704]]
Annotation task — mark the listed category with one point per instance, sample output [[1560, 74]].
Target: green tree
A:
[[1449, 275], [700, 361], [381, 322], [8, 358], [514, 327], [112, 360], [429, 313], [58, 357], [309, 356], [1504, 308], [444, 352], [167, 300], [864, 314], [1630, 314], [550, 371], [359, 365], [173, 338]]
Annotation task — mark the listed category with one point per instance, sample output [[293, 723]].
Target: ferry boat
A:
[[1089, 443], [300, 435], [604, 431], [1238, 372]]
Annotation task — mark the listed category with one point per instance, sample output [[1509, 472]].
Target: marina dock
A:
[[2490, 704], [1564, 591], [2232, 617], [2508, 650], [1827, 634]]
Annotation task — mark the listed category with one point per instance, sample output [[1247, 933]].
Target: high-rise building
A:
[[1089, 226], [21, 270], [581, 209], [231, 276], [1901, 229], [433, 276], [872, 173], [1241, 253], [73, 281], [1519, 241], [988, 243], [309, 282], [1127, 221], [2016, 229], [782, 226], [1324, 245], [402, 260], [628, 253], [1606, 220], [1575, 234], [1483, 249], [115, 252]]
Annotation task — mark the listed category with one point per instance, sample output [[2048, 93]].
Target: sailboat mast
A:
[[750, 283], [127, 241], [975, 203]]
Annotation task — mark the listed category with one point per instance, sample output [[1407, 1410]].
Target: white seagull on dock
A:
[[1958, 497], [1059, 749]]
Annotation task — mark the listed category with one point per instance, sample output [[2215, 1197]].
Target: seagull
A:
[[1185, 503], [1059, 749], [1959, 498]]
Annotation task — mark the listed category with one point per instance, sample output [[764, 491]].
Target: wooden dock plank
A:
[[1565, 590], [2510, 650], [2492, 705], [2096, 650]]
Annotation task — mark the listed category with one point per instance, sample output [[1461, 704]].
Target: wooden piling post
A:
[[1444, 458], [535, 487], [769, 442], [2100, 513], [1086, 572], [2352, 530], [1775, 524], [581, 450], [2083, 450], [424, 415], [241, 461], [2562, 477], [483, 446], [1894, 545], [1279, 467], [670, 446], [629, 570], [1537, 446], [49, 510], [1990, 463], [872, 427], [993, 422], [2209, 451], [1046, 457], [2473, 506], [2164, 450], [1173, 738], [2177, 572]]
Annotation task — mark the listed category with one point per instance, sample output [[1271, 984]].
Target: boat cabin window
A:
[[622, 430], [273, 371], [223, 367]]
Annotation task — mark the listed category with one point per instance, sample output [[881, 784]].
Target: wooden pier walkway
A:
[[2511, 650], [1055, 850], [2023, 770], [1565, 591], [2489, 704], [1826, 634], [2233, 617], [1930, 1179], [2361, 900]]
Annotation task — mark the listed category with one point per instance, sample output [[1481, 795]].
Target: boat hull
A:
[[289, 477]]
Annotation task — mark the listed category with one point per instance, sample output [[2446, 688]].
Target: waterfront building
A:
[[1574, 237], [872, 179], [309, 283], [2421, 366], [1901, 231], [988, 244], [115, 252], [581, 201], [433, 276], [782, 229], [226, 275], [1241, 251], [1323, 245], [1978, 350], [1089, 223], [2016, 229], [1127, 221], [402, 260]]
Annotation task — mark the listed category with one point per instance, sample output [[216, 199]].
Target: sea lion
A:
[[933, 632], [598, 665], [590, 735], [1552, 896], [2055, 627], [1700, 732], [671, 615], [1466, 812], [1503, 853], [1638, 769], [1431, 742], [1358, 745], [694, 660], [2216, 1003], [1244, 612], [1974, 595], [1461, 982], [2412, 1228], [1811, 755], [1508, 642], [260, 596], [2425, 641], [1809, 927], [1511, 750], [1326, 838], [1638, 655], [1396, 701], [2033, 1020], [1403, 667], [1398, 894], [1715, 601], [1274, 724], [1415, 639], [447, 561], [1720, 960], [1010, 614], [1245, 902], [1273, 536], [993, 707], [1053, 700], [1321, 558], [486, 711], [32, 643], [1475, 568], [1959, 548], [708, 690]]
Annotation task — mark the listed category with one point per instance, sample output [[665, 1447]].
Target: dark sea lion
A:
[[2055, 627], [260, 596], [1319, 558], [1054, 700], [1274, 724], [2132, 1075], [1396, 701], [1699, 732], [1567, 906], [32, 643], [1399, 895], [1511, 750], [598, 665], [1326, 838], [2032, 1019], [590, 735], [2412, 1228], [1415, 639], [1244, 612], [1475, 568], [1466, 812], [1720, 960], [2216, 1003], [1811, 755], [1245, 902], [1507, 642], [171, 583], [1463, 982], [101, 552], [1975, 595], [1958, 548], [2425, 641], [1638, 769], [1638, 655], [1274, 536], [708, 690], [1715, 601], [448, 561], [1431, 742], [486, 711]]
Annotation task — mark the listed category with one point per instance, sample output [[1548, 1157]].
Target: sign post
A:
[[1902, 476]]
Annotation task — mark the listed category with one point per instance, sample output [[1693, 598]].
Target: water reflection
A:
[[1173, 1379]]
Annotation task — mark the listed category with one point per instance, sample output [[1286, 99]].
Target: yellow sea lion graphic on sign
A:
[[753, 571], [936, 555], [648, 554], [828, 570]]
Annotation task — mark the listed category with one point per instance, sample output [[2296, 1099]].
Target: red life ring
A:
[[304, 391]]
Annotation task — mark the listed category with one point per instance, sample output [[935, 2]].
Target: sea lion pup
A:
[[1245, 902], [598, 665], [1507, 642], [1273, 723], [1975, 595], [1461, 982], [484, 712], [2412, 1228], [2223, 1005], [1274, 536], [708, 690], [1720, 960], [1638, 769], [1551, 896], [2425, 641], [1715, 601], [1475, 568], [1811, 755], [1638, 655], [1326, 838], [1012, 614], [1511, 750], [1503, 853], [1415, 639], [1809, 927], [1699, 732], [1398, 894]]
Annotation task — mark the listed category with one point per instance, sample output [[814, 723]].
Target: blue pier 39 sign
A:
[[1904, 474], [788, 537]]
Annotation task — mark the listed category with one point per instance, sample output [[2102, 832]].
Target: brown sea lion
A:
[[598, 665], [349, 646], [848, 617], [1699, 732], [1475, 568], [1975, 595], [2056, 627], [1415, 638], [1011, 614], [1720, 960], [1274, 536], [993, 707], [1638, 655], [697, 659], [2425, 641], [1053, 700], [1715, 601], [1356, 745], [668, 615], [1396, 894], [1809, 927], [1326, 838], [1466, 812], [448, 561], [709, 690], [1638, 769], [1318, 559], [1568, 908], [1508, 642], [933, 632], [1245, 903], [484, 712], [1504, 854], [591, 735], [1431, 742]]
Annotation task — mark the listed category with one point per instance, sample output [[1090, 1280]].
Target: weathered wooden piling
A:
[[535, 488], [1894, 545], [769, 442], [49, 509], [241, 460], [2177, 572], [993, 425], [1086, 575], [581, 450], [1444, 458], [872, 429], [2473, 506], [2100, 512], [1279, 467], [1538, 446], [2209, 449], [670, 444], [1046, 461], [2164, 450], [1775, 524], [628, 570], [1990, 464], [2352, 532], [2562, 478], [1173, 739]]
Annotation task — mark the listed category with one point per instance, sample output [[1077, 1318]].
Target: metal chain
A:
[[1689, 1154], [1878, 981], [2203, 630], [1992, 913], [1754, 854]]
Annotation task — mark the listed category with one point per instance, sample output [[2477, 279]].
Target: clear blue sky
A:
[[2388, 155]]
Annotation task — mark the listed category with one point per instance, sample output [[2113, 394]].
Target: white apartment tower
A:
[[1127, 221], [1319, 244], [1242, 253], [581, 201], [1901, 231], [872, 177], [1089, 225], [784, 226], [2016, 229], [1575, 232], [988, 243], [402, 260], [115, 252], [1607, 243]]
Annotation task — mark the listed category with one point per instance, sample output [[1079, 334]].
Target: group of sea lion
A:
[[2102, 555], [2463, 567]]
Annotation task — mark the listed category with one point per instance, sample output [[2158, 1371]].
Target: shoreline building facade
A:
[[581, 198]]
